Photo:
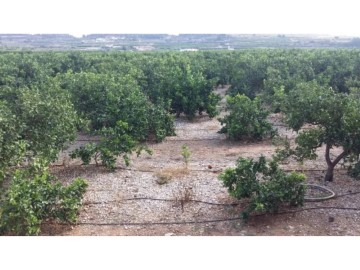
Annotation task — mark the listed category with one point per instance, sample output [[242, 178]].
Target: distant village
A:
[[181, 42]]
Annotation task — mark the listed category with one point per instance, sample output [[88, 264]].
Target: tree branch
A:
[[341, 156], [327, 155]]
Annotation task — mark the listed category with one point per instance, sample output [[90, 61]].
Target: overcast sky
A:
[[339, 17]]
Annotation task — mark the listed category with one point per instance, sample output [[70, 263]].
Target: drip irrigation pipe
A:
[[317, 199], [191, 170], [198, 201], [213, 220], [202, 221], [164, 200]]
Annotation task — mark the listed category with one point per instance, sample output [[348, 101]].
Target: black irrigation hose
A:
[[205, 202], [167, 140], [195, 140], [198, 201], [334, 196], [203, 221], [152, 223], [191, 170], [211, 203], [88, 140], [312, 170], [347, 194], [165, 200], [213, 220], [318, 199], [313, 208]]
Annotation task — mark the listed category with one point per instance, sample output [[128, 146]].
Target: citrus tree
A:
[[179, 79], [335, 118], [247, 119], [33, 196], [265, 185], [36, 121], [105, 99]]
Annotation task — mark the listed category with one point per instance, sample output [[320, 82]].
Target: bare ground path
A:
[[130, 201]]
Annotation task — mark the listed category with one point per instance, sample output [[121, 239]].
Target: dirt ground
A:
[[157, 195]]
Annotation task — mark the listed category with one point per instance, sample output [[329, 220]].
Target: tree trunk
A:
[[329, 176]]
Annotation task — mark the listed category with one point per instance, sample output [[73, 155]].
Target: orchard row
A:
[[46, 98]]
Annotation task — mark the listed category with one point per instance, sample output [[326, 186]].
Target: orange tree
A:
[[335, 117], [36, 122], [247, 119], [264, 184]]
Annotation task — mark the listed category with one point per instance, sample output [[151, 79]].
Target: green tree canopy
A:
[[335, 117], [247, 119], [36, 121]]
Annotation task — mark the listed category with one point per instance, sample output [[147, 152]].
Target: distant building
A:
[[189, 50], [144, 48]]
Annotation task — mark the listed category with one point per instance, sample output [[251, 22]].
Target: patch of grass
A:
[[165, 175], [231, 154]]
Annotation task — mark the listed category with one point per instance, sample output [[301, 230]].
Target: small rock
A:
[[169, 234], [210, 167]]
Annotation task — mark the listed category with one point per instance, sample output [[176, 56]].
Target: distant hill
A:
[[184, 42]]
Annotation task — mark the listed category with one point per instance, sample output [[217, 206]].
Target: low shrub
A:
[[265, 185], [33, 197], [247, 120], [115, 141]]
